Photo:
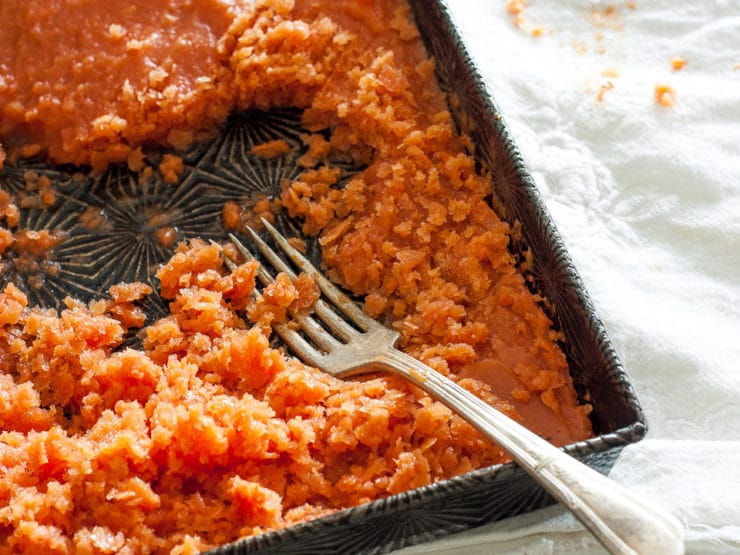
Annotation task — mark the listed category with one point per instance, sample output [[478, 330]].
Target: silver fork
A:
[[349, 342]]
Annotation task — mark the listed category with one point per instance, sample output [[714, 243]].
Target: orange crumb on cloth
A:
[[665, 95], [677, 63]]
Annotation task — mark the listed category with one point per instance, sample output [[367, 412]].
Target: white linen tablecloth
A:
[[647, 199]]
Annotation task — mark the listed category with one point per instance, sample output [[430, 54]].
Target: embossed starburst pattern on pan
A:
[[120, 227]]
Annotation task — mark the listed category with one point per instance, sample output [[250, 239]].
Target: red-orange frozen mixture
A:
[[86, 80], [207, 434]]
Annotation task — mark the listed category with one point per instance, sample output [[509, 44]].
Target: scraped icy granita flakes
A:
[[205, 435], [208, 434]]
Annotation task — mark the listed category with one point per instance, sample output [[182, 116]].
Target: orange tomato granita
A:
[[207, 434]]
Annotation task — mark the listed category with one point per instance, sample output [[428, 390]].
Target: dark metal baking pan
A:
[[89, 261]]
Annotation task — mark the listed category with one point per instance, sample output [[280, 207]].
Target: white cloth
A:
[[647, 199]]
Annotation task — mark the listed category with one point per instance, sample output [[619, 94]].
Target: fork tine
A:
[[332, 292], [228, 262], [278, 263], [310, 326], [262, 273], [324, 311], [307, 352]]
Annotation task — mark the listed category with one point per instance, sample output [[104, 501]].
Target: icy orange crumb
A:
[[231, 216], [516, 7], [677, 63], [609, 85], [537, 31], [665, 95], [166, 236], [610, 72], [171, 167], [135, 160], [271, 149]]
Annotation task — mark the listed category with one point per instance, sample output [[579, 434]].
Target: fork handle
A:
[[620, 520]]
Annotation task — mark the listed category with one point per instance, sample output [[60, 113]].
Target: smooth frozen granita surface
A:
[[206, 433], [86, 80]]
